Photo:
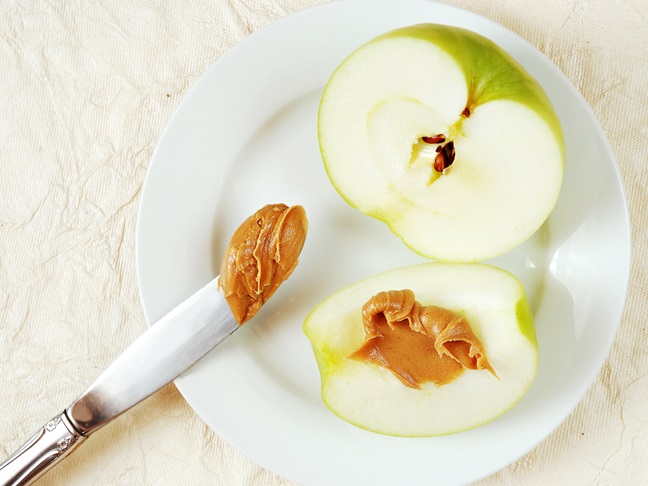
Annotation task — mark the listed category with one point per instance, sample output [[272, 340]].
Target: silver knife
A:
[[167, 349]]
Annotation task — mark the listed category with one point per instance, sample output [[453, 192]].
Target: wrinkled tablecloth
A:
[[86, 89]]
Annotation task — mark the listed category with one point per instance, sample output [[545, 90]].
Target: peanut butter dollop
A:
[[262, 253], [418, 344]]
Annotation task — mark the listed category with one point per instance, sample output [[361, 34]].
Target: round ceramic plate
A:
[[246, 135]]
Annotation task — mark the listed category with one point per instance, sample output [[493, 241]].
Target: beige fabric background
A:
[[86, 89]]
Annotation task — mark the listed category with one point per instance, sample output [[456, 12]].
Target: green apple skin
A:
[[372, 398], [490, 71], [415, 82]]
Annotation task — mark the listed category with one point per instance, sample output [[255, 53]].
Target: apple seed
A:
[[440, 162], [449, 150], [445, 156], [440, 138]]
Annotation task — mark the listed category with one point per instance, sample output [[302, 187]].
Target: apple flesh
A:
[[389, 103], [372, 397]]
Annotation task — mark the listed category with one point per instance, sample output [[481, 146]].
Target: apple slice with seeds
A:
[[438, 132]]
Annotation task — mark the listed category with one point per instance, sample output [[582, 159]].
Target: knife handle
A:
[[55, 440]]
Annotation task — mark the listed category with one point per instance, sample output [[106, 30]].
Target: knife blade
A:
[[162, 353]]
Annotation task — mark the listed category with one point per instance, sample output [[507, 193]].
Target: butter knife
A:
[[167, 349], [262, 253]]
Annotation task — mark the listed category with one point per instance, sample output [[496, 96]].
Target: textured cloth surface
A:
[[87, 89]]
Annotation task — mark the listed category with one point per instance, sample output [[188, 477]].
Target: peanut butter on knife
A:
[[262, 253]]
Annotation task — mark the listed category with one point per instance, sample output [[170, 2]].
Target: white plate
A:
[[245, 136]]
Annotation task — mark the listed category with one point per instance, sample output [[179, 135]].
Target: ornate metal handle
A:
[[49, 445]]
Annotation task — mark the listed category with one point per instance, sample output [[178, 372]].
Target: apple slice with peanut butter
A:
[[453, 350]]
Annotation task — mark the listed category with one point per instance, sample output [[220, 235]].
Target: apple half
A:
[[373, 398], [441, 134]]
